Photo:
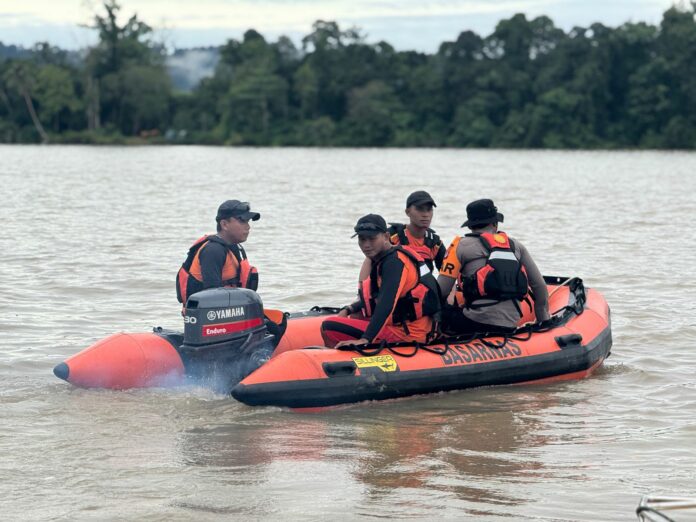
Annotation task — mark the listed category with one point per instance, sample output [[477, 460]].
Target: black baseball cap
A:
[[420, 197], [482, 212], [370, 225], [237, 209]]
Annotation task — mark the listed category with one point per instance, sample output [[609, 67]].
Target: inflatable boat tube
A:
[[571, 346], [303, 374], [161, 359]]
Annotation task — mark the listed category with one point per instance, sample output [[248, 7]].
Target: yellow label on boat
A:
[[386, 363]]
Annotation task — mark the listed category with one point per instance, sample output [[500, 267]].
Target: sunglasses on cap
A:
[[369, 227], [241, 206], [240, 210]]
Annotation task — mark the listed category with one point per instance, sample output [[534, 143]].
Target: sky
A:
[[406, 24]]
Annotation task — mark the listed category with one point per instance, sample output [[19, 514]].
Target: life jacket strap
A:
[[400, 230]]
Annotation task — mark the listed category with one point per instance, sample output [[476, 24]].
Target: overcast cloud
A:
[[406, 24]]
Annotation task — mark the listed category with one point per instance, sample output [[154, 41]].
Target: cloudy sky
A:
[[406, 24]]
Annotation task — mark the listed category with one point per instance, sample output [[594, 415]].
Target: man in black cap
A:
[[219, 259], [417, 234], [387, 309], [493, 273]]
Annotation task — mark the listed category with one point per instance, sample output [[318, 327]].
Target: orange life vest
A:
[[420, 301], [431, 241], [236, 272]]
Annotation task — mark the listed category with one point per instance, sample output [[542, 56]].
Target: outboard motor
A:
[[225, 336]]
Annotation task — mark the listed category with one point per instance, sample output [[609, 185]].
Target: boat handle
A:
[[339, 369], [570, 339]]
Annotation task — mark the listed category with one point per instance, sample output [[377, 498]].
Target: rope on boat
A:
[[325, 309], [523, 333]]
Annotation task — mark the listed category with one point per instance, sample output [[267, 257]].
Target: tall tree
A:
[[123, 55], [21, 76]]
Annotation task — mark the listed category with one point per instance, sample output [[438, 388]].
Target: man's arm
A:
[[537, 284], [449, 271], [392, 272], [351, 309], [212, 259], [440, 256], [445, 283]]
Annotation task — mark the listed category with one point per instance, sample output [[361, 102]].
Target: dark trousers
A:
[[454, 322]]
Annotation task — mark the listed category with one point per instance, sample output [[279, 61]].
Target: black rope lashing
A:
[[524, 333], [325, 309]]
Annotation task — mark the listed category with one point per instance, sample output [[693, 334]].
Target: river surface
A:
[[92, 238]]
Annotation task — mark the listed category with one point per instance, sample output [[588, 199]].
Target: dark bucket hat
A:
[[482, 212]]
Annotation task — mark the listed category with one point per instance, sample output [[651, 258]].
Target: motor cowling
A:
[[225, 336], [219, 315]]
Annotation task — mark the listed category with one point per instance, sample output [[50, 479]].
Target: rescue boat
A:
[[226, 345], [571, 346]]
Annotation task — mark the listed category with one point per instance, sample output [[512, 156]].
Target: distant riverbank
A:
[[527, 85], [102, 139]]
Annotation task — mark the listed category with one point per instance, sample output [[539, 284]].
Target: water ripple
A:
[[92, 238]]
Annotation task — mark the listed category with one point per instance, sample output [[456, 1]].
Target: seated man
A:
[[397, 302], [493, 275], [417, 234], [219, 259]]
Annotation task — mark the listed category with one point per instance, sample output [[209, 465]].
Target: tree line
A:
[[528, 84]]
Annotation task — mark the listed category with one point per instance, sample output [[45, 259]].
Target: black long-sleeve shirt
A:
[[391, 272], [212, 258]]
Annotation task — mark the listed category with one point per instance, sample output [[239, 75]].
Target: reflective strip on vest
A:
[[497, 254]]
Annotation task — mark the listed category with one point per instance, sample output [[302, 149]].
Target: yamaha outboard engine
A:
[[225, 336]]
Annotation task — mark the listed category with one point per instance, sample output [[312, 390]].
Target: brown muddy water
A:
[[91, 240]]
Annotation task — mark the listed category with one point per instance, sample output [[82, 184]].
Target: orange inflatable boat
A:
[[226, 345], [574, 343]]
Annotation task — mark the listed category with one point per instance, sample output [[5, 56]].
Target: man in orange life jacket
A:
[[417, 234], [220, 260], [493, 274], [397, 302]]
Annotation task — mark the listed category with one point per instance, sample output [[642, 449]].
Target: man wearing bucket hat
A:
[[219, 259], [397, 302], [493, 274]]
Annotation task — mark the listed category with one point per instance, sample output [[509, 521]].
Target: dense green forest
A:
[[528, 84]]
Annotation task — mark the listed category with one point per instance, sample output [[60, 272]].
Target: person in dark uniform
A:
[[219, 259], [397, 302], [417, 234]]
